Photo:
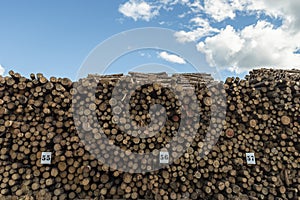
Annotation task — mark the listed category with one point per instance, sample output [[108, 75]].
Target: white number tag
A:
[[250, 158], [164, 157], [46, 158]]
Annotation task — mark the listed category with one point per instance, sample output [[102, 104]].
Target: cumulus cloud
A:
[[171, 58], [138, 10], [203, 29], [264, 43], [2, 70], [259, 45], [286, 10], [219, 9]]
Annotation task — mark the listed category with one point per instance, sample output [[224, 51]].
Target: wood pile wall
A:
[[263, 117]]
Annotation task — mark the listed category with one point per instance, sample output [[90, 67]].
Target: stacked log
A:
[[262, 118]]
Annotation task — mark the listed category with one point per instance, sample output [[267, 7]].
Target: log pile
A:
[[263, 116]]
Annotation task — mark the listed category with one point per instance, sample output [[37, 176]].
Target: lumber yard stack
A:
[[262, 118]]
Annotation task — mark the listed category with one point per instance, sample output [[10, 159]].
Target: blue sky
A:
[[55, 37]]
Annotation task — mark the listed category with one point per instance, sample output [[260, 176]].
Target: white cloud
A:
[[2, 70], [259, 45], [219, 9], [221, 48], [138, 10], [193, 5], [182, 15], [287, 10], [189, 36], [200, 21], [171, 58], [196, 6], [145, 54], [203, 29]]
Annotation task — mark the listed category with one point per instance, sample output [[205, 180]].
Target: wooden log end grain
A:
[[229, 133], [285, 120]]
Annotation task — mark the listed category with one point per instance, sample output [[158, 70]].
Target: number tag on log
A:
[[164, 157], [46, 158], [250, 158]]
